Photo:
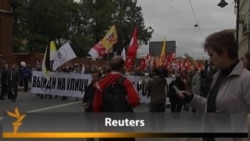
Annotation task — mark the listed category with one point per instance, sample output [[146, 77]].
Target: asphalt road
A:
[[28, 102]]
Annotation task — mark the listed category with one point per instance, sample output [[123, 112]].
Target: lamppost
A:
[[222, 4]]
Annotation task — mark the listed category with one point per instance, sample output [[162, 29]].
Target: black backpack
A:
[[115, 97]]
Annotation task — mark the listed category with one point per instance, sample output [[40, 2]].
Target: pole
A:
[[237, 2]]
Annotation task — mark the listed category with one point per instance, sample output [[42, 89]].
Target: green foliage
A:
[[18, 46], [81, 44], [37, 43], [83, 23]]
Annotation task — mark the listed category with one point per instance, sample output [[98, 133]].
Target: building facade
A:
[[155, 48], [243, 27], [6, 32]]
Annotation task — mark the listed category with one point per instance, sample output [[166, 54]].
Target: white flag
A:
[[97, 51], [123, 54], [64, 54]]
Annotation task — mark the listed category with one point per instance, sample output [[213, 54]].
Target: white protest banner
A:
[[140, 87], [59, 83], [72, 84]]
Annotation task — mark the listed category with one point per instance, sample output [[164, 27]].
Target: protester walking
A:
[[13, 81], [157, 92], [4, 82], [88, 99], [102, 102], [156, 87], [26, 75], [196, 84], [176, 102]]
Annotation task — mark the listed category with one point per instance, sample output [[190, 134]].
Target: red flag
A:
[[143, 64], [97, 51], [154, 63], [133, 46], [196, 65], [129, 63], [170, 57], [148, 59]]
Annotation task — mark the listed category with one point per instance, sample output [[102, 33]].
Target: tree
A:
[[83, 23], [19, 8], [126, 15]]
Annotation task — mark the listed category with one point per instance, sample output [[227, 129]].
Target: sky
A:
[[175, 19]]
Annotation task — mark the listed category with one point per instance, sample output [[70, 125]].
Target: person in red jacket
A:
[[117, 65]]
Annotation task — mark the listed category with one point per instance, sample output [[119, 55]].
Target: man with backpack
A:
[[115, 93], [109, 83]]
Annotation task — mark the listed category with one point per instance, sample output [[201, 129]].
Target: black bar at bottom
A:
[[205, 135]]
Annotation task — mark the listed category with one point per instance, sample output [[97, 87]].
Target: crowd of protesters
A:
[[201, 90], [13, 76], [23, 75]]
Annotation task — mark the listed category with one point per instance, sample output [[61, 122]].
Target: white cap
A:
[[23, 64]]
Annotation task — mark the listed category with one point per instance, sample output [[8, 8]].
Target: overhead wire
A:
[[155, 4], [196, 19]]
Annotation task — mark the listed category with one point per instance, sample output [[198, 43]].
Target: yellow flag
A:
[[163, 53], [49, 56], [109, 39], [53, 51]]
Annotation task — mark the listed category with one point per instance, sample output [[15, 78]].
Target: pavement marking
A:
[[48, 108], [53, 107]]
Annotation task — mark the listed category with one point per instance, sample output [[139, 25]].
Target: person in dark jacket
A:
[[4, 78], [89, 94], [26, 75], [12, 82], [88, 97], [176, 102]]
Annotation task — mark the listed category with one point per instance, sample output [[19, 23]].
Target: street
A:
[[27, 103]]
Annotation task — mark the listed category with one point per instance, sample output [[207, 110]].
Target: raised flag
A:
[[133, 46], [143, 64], [123, 54], [110, 38], [64, 54], [105, 45], [171, 57], [148, 60], [49, 56], [97, 51], [163, 53], [129, 64], [53, 51]]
